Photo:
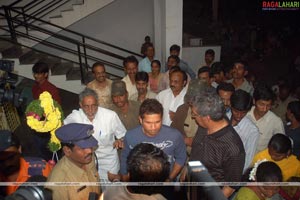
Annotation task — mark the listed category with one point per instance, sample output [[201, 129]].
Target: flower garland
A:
[[252, 175], [49, 109]]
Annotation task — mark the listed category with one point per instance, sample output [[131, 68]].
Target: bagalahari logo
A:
[[280, 5]]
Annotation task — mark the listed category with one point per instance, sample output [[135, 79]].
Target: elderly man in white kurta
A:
[[107, 127], [173, 97]]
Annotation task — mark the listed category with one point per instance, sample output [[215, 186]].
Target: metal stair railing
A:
[[17, 24], [55, 56], [38, 8]]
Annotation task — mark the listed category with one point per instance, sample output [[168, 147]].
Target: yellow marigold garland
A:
[[52, 120]]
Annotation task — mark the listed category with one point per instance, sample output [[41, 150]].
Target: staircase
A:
[[67, 13], [63, 73], [68, 53]]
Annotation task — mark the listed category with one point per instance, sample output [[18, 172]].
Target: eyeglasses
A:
[[194, 115]]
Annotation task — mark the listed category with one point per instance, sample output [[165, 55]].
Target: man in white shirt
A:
[[131, 68], [107, 127], [266, 121], [173, 97]]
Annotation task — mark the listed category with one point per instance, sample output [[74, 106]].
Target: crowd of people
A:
[[148, 125]]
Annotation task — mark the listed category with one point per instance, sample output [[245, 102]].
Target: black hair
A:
[[280, 143], [210, 51], [268, 172], [175, 47], [203, 69], [174, 70], [150, 106], [217, 68], [69, 145], [142, 76], [40, 67], [263, 92], [294, 107], [244, 63], [147, 163], [157, 62], [177, 59], [241, 100], [130, 59], [225, 87], [96, 64]]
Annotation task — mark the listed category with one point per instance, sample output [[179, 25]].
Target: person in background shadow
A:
[[144, 45], [293, 128], [13, 166]]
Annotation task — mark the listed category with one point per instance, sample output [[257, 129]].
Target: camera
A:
[[30, 193], [25, 192], [199, 173], [8, 90]]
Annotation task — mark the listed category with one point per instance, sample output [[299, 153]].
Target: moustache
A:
[[87, 156]]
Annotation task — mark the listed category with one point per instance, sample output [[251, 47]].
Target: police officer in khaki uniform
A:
[[77, 165]]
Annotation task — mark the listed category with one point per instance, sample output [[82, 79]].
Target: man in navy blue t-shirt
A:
[[152, 131]]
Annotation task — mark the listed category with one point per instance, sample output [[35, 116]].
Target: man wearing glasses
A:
[[216, 144]]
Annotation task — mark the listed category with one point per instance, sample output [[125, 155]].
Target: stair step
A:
[[14, 52], [5, 45], [51, 61], [89, 77], [67, 10], [75, 74], [56, 16], [61, 68], [31, 57], [78, 2]]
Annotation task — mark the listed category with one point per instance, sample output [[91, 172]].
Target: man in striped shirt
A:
[[241, 103], [216, 144]]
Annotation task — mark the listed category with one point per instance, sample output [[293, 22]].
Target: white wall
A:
[[122, 23], [195, 55], [167, 26], [174, 18], [160, 29]]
